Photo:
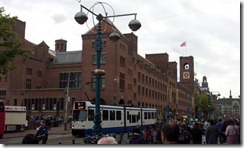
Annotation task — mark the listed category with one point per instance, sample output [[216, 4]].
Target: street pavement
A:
[[53, 131]]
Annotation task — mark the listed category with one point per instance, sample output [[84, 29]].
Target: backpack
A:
[[184, 137]]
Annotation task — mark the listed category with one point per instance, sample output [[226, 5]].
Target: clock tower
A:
[[187, 72]]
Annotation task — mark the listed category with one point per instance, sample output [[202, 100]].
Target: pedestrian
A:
[[219, 126], [185, 136], [48, 123], [153, 134], [147, 134], [30, 139], [197, 134], [211, 133], [137, 137], [107, 140], [206, 124], [42, 132], [223, 129], [232, 132], [170, 133]]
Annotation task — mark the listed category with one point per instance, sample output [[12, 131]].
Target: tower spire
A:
[[230, 94]]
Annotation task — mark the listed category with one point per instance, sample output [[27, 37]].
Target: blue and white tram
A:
[[115, 119]]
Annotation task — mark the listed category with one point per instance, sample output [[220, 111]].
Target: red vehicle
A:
[[2, 118]]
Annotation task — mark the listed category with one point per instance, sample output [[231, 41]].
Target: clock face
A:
[[186, 66], [186, 75]]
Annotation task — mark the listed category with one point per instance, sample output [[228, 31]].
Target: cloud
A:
[[58, 18]]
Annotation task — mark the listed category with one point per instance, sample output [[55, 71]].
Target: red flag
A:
[[183, 44]]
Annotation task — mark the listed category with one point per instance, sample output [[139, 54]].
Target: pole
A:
[[97, 127], [208, 105], [66, 103]]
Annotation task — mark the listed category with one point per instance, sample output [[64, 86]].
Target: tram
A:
[[115, 119]]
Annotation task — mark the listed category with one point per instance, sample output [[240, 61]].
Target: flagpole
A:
[[186, 50]]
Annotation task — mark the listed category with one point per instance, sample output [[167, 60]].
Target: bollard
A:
[[73, 141]]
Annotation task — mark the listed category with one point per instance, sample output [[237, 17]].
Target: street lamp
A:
[[81, 18], [66, 103], [209, 95], [208, 105]]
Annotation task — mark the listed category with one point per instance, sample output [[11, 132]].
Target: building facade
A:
[[49, 79]]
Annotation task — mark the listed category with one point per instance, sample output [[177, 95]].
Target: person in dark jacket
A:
[[196, 134], [211, 133], [42, 132], [30, 139], [137, 137]]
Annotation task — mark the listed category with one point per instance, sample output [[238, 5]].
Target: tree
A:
[[10, 44], [201, 102]]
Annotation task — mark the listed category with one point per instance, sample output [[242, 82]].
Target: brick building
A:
[[41, 81]]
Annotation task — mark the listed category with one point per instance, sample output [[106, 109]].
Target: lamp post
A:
[[209, 95], [220, 111], [208, 105], [81, 18], [66, 103]]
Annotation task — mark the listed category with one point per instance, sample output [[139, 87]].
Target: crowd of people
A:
[[225, 131], [175, 132]]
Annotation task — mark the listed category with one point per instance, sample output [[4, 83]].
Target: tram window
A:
[[149, 115], [145, 115], [105, 115], [133, 118], [118, 115], [112, 115], [128, 117], [139, 116], [90, 115], [153, 115]]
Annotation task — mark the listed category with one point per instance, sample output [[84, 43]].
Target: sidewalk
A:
[[53, 131]]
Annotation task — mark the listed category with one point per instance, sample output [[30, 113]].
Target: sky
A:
[[210, 28]]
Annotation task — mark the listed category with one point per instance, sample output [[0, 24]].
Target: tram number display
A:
[[80, 105]]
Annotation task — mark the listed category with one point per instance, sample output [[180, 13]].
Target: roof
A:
[[68, 57]]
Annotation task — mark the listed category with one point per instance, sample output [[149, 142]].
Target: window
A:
[[74, 79], [90, 114], [118, 115], [104, 44], [134, 120], [29, 71], [103, 59], [139, 76], [15, 102], [112, 115], [149, 115], [122, 81], [134, 81], [122, 61], [28, 83], [142, 91], [145, 115], [139, 90], [93, 81], [39, 73], [128, 117], [105, 115], [3, 92]]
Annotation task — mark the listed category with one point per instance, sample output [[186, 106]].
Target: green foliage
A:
[[202, 102], [10, 44]]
